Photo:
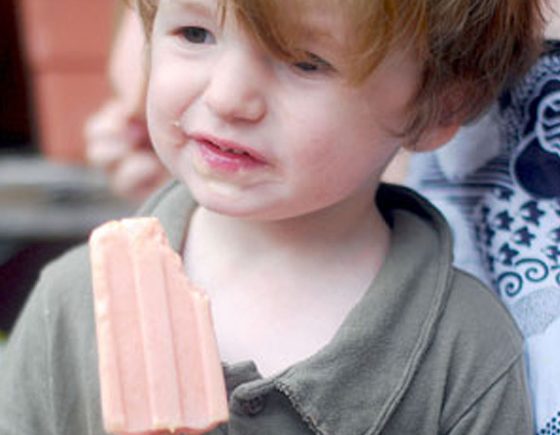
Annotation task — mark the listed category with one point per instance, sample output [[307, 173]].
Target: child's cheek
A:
[[162, 114], [172, 91], [168, 88]]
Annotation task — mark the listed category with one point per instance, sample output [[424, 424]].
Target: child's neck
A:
[[301, 274], [355, 230]]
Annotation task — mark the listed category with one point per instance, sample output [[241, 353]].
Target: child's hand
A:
[[117, 142]]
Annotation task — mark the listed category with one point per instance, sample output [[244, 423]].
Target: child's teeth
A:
[[229, 150]]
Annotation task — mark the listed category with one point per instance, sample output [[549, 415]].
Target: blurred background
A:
[[53, 61]]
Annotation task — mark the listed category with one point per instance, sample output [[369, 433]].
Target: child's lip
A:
[[229, 146]]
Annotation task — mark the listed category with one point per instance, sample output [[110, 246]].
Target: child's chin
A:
[[224, 206], [243, 211]]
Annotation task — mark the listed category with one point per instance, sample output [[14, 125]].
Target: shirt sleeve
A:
[[505, 408], [49, 382], [25, 374]]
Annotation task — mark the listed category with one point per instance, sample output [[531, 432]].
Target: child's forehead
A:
[[317, 16], [359, 32], [297, 21]]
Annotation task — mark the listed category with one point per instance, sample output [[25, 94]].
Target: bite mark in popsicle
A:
[[159, 366]]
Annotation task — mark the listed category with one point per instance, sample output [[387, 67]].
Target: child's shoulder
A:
[[479, 347], [62, 293], [475, 314], [66, 272]]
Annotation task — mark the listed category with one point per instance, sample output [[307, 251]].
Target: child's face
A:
[[256, 137]]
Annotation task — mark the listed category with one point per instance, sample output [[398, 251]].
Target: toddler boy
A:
[[337, 309]]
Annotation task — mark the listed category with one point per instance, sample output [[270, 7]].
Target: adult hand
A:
[[117, 140], [118, 144]]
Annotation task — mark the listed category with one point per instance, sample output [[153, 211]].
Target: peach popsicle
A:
[[159, 366]]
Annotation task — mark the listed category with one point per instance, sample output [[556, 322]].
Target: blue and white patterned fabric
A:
[[498, 183]]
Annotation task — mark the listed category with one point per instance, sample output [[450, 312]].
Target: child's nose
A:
[[236, 89]]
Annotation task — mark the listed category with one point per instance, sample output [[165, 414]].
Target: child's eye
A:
[[197, 35], [313, 63]]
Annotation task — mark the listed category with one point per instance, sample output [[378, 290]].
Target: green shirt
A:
[[428, 349]]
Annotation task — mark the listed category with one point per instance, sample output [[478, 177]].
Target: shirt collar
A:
[[367, 367], [173, 206]]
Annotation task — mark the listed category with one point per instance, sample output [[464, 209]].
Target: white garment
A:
[[498, 183]]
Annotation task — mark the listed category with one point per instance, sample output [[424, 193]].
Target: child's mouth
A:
[[227, 156]]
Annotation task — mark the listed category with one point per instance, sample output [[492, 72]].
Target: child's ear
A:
[[450, 120], [435, 137]]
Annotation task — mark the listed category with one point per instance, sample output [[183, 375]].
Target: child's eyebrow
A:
[[325, 29], [323, 37]]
